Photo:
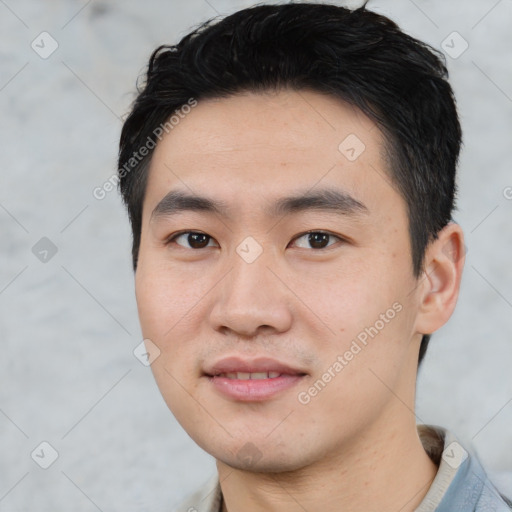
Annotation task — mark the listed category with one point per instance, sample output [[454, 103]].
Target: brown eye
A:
[[194, 239], [317, 239]]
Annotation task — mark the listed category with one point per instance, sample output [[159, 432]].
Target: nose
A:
[[252, 298]]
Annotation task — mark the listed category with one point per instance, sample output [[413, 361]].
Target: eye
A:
[[197, 240], [317, 239], [194, 239]]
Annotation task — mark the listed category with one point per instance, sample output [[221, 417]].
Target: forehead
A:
[[253, 146], [271, 125]]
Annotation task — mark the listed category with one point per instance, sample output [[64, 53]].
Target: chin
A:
[[259, 457], [271, 464]]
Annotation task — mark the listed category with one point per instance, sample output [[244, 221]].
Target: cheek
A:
[[366, 311], [168, 307], [154, 303], [162, 307], [164, 298], [349, 295]]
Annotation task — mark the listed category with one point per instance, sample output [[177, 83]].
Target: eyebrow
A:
[[327, 200]]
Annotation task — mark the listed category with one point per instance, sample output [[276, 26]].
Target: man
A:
[[289, 173]]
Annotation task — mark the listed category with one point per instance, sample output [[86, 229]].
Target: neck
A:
[[386, 469]]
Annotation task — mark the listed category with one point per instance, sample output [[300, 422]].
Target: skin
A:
[[354, 446]]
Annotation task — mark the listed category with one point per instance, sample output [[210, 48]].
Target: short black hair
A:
[[357, 56]]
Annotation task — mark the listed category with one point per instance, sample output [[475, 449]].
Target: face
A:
[[282, 299]]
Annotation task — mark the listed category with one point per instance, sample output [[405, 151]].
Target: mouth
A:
[[252, 380], [249, 375]]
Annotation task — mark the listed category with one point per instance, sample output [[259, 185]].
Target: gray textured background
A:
[[68, 325]]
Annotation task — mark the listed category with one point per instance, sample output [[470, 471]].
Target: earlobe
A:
[[444, 262]]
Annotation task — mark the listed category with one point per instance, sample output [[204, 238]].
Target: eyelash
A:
[[173, 237]]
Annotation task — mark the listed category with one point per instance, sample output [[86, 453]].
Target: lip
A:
[[248, 390], [260, 364]]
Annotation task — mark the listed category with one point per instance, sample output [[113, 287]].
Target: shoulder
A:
[[461, 484]]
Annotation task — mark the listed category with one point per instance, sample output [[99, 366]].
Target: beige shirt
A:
[[441, 446]]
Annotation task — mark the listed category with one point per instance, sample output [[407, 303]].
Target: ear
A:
[[440, 280]]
